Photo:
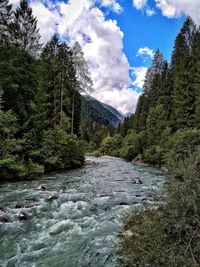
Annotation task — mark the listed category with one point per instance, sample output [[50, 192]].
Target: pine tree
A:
[[82, 70], [85, 83], [6, 16], [60, 85], [153, 90], [25, 34], [195, 74], [183, 92]]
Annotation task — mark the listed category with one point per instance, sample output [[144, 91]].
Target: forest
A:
[[164, 131], [43, 128], [165, 126], [40, 101]]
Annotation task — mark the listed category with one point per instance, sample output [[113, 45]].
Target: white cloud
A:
[[124, 100], [102, 43], [139, 4], [174, 8], [143, 5], [150, 11], [112, 4], [145, 52], [139, 73]]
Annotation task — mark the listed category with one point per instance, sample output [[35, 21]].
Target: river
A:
[[78, 228]]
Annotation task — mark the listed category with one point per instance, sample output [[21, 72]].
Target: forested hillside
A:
[[98, 120], [165, 126], [165, 131], [40, 106]]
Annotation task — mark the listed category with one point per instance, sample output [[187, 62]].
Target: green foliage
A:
[[169, 235], [156, 122], [131, 146], [182, 145], [96, 154], [153, 155], [11, 168], [39, 98], [69, 150], [111, 145]]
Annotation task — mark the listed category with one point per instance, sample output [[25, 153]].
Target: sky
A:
[[118, 38]]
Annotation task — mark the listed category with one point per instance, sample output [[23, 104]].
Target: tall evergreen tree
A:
[[25, 34], [85, 83], [60, 84], [6, 16], [183, 91], [195, 75]]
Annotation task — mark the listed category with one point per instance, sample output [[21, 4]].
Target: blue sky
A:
[[140, 30], [118, 38]]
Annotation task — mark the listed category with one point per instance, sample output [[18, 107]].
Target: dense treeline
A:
[[40, 98], [165, 131], [166, 123]]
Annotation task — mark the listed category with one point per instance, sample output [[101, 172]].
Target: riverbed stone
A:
[[23, 215], [137, 180], [127, 233], [41, 188]]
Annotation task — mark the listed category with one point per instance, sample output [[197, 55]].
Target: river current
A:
[[74, 222]]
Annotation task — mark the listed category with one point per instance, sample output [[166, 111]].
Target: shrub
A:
[[153, 155], [96, 153], [61, 151], [170, 235], [182, 145], [111, 144]]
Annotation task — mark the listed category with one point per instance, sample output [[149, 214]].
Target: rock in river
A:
[[41, 188], [137, 180], [23, 215]]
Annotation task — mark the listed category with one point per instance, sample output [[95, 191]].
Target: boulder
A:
[[52, 197], [4, 219], [137, 180], [127, 233], [23, 215], [41, 188]]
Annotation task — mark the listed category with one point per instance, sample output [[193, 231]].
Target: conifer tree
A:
[[195, 74], [6, 16], [25, 34], [84, 81], [183, 91]]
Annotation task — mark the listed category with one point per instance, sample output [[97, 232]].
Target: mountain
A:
[[96, 111]]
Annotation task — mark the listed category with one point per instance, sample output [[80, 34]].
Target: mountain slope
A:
[[96, 111]]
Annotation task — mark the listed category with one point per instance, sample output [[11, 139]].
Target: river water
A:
[[79, 228]]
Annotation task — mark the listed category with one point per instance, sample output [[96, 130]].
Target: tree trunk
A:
[[72, 126], [61, 102]]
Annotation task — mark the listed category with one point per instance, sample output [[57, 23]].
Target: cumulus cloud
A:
[[102, 43], [139, 73], [113, 4], [143, 5], [145, 53], [125, 99], [173, 8]]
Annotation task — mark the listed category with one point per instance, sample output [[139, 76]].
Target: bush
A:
[[61, 151], [96, 153], [132, 145], [111, 144], [153, 155], [170, 235], [11, 168], [128, 153], [182, 145]]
